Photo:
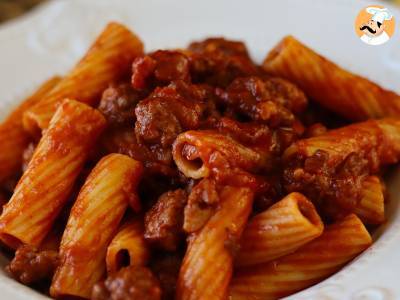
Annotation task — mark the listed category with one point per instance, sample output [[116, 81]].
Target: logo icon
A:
[[375, 25]]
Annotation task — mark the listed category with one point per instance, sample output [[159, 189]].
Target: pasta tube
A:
[[13, 138], [108, 59], [207, 267], [93, 221], [339, 244], [280, 230], [347, 94], [45, 186], [371, 208], [331, 167], [128, 247], [195, 152]]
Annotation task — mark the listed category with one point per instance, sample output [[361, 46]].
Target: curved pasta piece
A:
[[92, 224], [45, 186], [339, 244], [280, 230], [371, 208], [195, 152], [332, 166], [108, 59], [207, 267], [341, 91], [13, 138], [128, 247]]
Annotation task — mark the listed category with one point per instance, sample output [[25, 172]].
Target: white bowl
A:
[[51, 39]]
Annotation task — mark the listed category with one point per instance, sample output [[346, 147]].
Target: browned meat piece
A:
[[217, 61], [130, 283], [163, 222], [27, 155], [118, 104], [221, 45], [159, 68], [328, 186], [166, 268], [169, 111], [202, 203], [250, 133], [124, 141], [273, 101], [31, 265]]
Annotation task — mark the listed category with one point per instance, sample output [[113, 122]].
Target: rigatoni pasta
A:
[[128, 247], [280, 230], [207, 267], [194, 152], [371, 208], [309, 265], [45, 186], [347, 94], [331, 168], [93, 221], [107, 60], [13, 138]]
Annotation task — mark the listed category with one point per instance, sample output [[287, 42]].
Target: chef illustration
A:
[[374, 30]]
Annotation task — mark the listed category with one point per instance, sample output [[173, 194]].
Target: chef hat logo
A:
[[379, 14], [375, 25]]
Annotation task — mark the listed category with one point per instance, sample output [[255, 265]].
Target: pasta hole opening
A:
[[192, 157], [308, 211], [123, 259], [196, 163]]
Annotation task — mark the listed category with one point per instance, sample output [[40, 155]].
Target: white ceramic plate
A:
[[51, 39]]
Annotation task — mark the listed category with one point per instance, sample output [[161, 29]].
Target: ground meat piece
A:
[[169, 111], [118, 104], [142, 69], [124, 141], [166, 268], [217, 61], [31, 265], [249, 133], [218, 69], [27, 155], [329, 187], [202, 203], [130, 283], [163, 222], [212, 45], [273, 101], [159, 68], [156, 122]]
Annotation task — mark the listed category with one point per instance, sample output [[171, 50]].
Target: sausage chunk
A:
[[130, 283], [31, 265], [169, 111], [158, 69], [218, 61], [272, 101], [118, 104], [163, 222]]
